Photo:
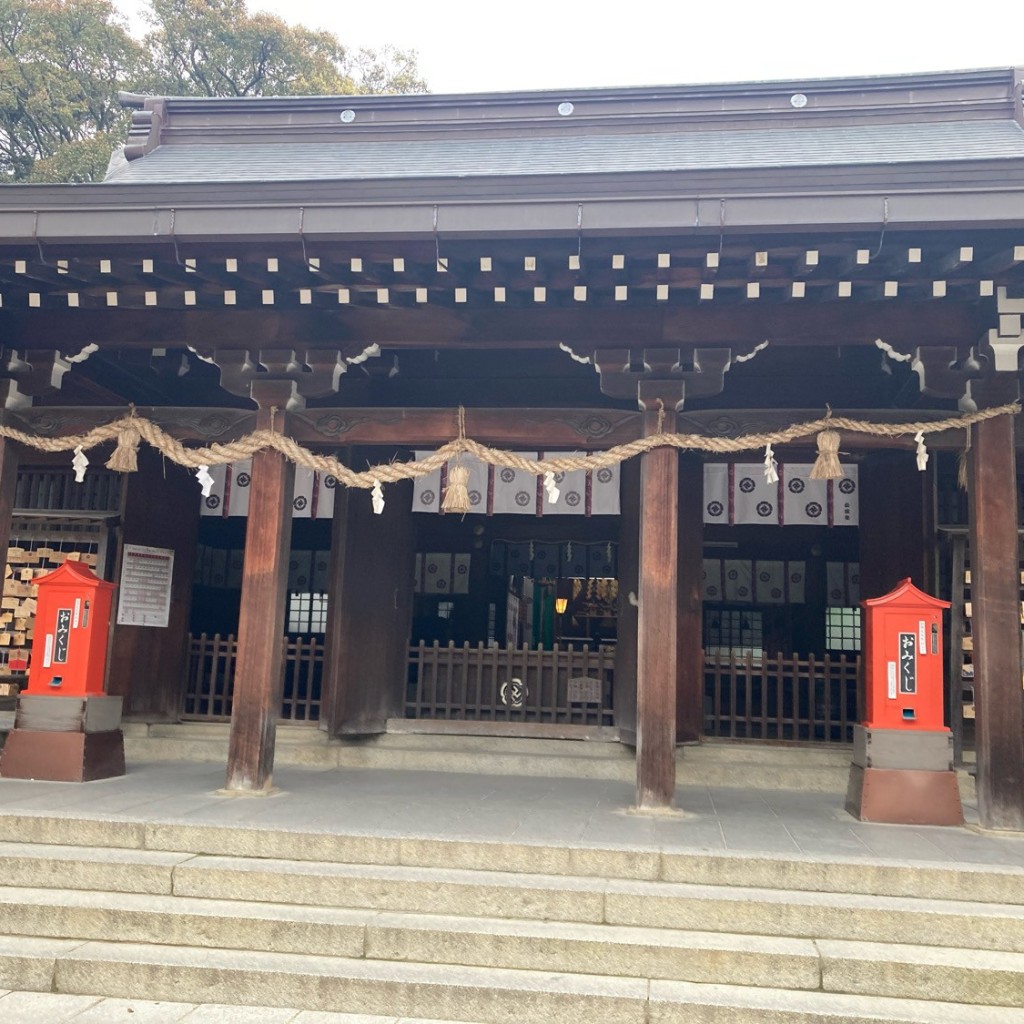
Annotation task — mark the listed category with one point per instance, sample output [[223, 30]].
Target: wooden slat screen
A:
[[211, 669], [788, 699], [486, 684]]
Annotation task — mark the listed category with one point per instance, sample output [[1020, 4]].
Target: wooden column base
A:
[[904, 796], [62, 756]]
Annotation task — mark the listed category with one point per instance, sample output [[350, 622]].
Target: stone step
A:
[[691, 771], [733, 928], [715, 764], [413, 938], [159, 847], [475, 894], [48, 1008], [103, 869], [457, 992]]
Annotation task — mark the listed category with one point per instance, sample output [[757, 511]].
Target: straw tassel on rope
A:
[[826, 465], [125, 458], [456, 496]]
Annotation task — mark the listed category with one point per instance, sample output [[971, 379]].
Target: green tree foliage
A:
[[217, 48], [62, 63]]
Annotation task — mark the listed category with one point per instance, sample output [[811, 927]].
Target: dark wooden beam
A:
[[902, 323], [995, 596], [658, 612], [258, 668]]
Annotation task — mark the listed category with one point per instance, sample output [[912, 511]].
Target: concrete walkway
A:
[[522, 810]]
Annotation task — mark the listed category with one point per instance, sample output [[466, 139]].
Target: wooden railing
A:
[[211, 672], [780, 698], [498, 684]]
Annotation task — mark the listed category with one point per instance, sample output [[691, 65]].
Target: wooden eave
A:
[[986, 195]]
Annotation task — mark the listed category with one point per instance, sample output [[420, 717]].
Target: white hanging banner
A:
[[843, 580], [804, 501], [796, 581], [302, 494], [770, 582], [426, 490], [739, 579], [846, 498], [312, 496], [213, 503], [753, 500], [572, 492], [323, 496], [460, 573], [239, 476], [321, 563], [604, 491], [711, 580], [716, 492], [515, 491], [437, 573], [476, 485], [300, 570]]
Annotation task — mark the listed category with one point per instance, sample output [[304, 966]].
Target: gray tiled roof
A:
[[454, 157]]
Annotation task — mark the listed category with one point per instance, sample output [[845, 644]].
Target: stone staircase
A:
[[713, 763], [502, 932]]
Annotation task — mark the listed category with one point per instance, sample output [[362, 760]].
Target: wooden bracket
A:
[[314, 373], [30, 373], [943, 373], [671, 374], [1006, 340]]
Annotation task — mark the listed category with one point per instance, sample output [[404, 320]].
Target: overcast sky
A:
[[476, 46]]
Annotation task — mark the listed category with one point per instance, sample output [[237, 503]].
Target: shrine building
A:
[[759, 267]]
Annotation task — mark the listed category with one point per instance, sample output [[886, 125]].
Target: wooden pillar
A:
[[333, 692], [256, 703], [995, 596], [9, 458], [624, 697], [897, 523], [689, 630], [375, 581], [147, 665], [657, 623]]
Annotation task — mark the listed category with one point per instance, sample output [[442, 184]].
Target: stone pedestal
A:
[[65, 739], [904, 777]]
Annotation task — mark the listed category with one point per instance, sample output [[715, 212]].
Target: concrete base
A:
[[904, 796], [62, 756]]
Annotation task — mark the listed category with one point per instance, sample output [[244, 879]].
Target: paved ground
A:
[[518, 809]]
